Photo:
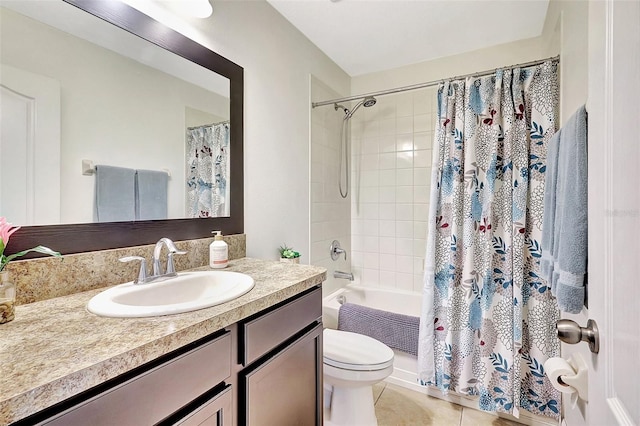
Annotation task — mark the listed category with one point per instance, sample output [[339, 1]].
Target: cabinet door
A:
[[286, 389], [215, 412]]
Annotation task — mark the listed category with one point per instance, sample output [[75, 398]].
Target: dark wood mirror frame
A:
[[77, 238]]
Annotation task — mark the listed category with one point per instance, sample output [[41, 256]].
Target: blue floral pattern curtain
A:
[[489, 320], [208, 171]]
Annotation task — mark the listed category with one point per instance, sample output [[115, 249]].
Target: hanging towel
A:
[[397, 331], [115, 194], [151, 195], [564, 232]]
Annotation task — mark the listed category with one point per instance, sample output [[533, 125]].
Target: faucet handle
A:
[[142, 274], [170, 268], [335, 250]]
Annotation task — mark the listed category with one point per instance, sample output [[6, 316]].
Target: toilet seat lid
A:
[[352, 351]]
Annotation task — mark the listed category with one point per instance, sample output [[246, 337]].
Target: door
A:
[[614, 215], [29, 147]]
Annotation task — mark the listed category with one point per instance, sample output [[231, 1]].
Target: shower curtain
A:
[[488, 321], [208, 171]]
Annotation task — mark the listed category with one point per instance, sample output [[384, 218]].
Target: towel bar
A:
[[89, 169]]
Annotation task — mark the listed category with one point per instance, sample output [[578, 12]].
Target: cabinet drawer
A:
[[154, 394], [264, 333]]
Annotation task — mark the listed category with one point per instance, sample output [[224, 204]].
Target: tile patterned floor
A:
[[398, 406]]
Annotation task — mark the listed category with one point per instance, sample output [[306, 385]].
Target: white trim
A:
[[30, 151], [607, 119], [619, 412]]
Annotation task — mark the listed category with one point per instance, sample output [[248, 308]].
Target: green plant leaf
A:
[[39, 249]]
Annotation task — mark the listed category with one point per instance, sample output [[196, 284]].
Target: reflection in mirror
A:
[[200, 63], [208, 152], [77, 88]]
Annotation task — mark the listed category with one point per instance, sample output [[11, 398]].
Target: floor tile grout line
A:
[[381, 392]]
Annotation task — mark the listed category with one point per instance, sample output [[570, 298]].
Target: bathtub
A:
[[405, 366]]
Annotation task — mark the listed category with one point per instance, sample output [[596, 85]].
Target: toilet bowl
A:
[[353, 363]]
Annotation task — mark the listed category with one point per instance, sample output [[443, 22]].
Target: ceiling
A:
[[365, 36]]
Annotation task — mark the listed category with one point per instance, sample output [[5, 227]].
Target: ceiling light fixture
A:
[[189, 8], [181, 8]]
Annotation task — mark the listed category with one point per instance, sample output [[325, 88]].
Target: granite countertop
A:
[[55, 348]]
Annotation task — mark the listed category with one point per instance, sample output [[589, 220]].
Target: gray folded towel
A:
[[397, 331], [115, 194], [564, 229], [151, 195]]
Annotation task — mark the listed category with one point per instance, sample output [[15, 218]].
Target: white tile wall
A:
[[330, 214], [391, 168]]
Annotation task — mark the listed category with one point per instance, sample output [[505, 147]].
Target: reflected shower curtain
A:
[[488, 321], [208, 171]]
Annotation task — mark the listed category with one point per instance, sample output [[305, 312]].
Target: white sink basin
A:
[[187, 292]]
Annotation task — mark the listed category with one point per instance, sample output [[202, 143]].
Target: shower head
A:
[[369, 101]]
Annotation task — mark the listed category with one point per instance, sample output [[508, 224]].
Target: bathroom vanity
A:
[[254, 360]]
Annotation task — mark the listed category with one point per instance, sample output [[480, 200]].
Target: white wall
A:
[[450, 66], [565, 33]]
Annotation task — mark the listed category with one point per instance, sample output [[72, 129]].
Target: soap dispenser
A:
[[218, 252]]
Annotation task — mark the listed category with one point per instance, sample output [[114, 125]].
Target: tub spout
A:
[[343, 275]]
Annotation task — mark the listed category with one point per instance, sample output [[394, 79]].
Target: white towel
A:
[[564, 232]]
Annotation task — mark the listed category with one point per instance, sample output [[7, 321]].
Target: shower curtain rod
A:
[[207, 125], [431, 83]]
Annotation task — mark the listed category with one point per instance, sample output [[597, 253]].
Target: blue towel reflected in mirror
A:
[[114, 194], [124, 194], [151, 195]]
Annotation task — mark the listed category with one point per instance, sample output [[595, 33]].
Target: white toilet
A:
[[353, 363]]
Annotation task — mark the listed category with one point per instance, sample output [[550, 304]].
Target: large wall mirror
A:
[[97, 83]]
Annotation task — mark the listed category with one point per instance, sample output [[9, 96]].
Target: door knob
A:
[[570, 332]]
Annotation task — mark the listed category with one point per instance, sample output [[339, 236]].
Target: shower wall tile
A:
[[371, 277], [387, 127], [330, 213], [404, 104], [422, 123], [401, 128], [387, 278]]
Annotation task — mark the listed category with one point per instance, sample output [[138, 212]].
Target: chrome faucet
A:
[[343, 275], [157, 274], [156, 257]]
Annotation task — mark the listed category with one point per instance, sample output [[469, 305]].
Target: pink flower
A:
[[6, 230]]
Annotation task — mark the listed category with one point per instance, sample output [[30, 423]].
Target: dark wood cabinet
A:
[[218, 411], [264, 370]]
